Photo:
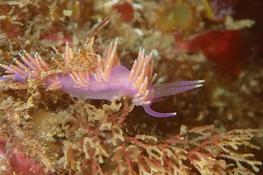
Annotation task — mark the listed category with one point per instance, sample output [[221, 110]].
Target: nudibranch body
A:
[[109, 79]]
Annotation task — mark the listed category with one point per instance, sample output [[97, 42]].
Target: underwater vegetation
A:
[[83, 106], [108, 80], [227, 49]]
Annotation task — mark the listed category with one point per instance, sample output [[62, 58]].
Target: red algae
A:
[[49, 132], [227, 49], [23, 165], [18, 161], [125, 10]]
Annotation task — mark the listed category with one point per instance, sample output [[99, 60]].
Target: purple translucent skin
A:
[[17, 78], [117, 85], [109, 80]]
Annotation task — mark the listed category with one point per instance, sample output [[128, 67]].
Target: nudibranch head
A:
[[109, 79]]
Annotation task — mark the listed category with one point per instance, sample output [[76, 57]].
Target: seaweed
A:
[[49, 132]]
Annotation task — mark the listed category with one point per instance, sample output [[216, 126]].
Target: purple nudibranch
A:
[[109, 79]]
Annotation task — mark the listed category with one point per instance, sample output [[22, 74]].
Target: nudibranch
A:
[[108, 80]]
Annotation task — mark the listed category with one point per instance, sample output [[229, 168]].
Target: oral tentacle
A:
[[150, 111]]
